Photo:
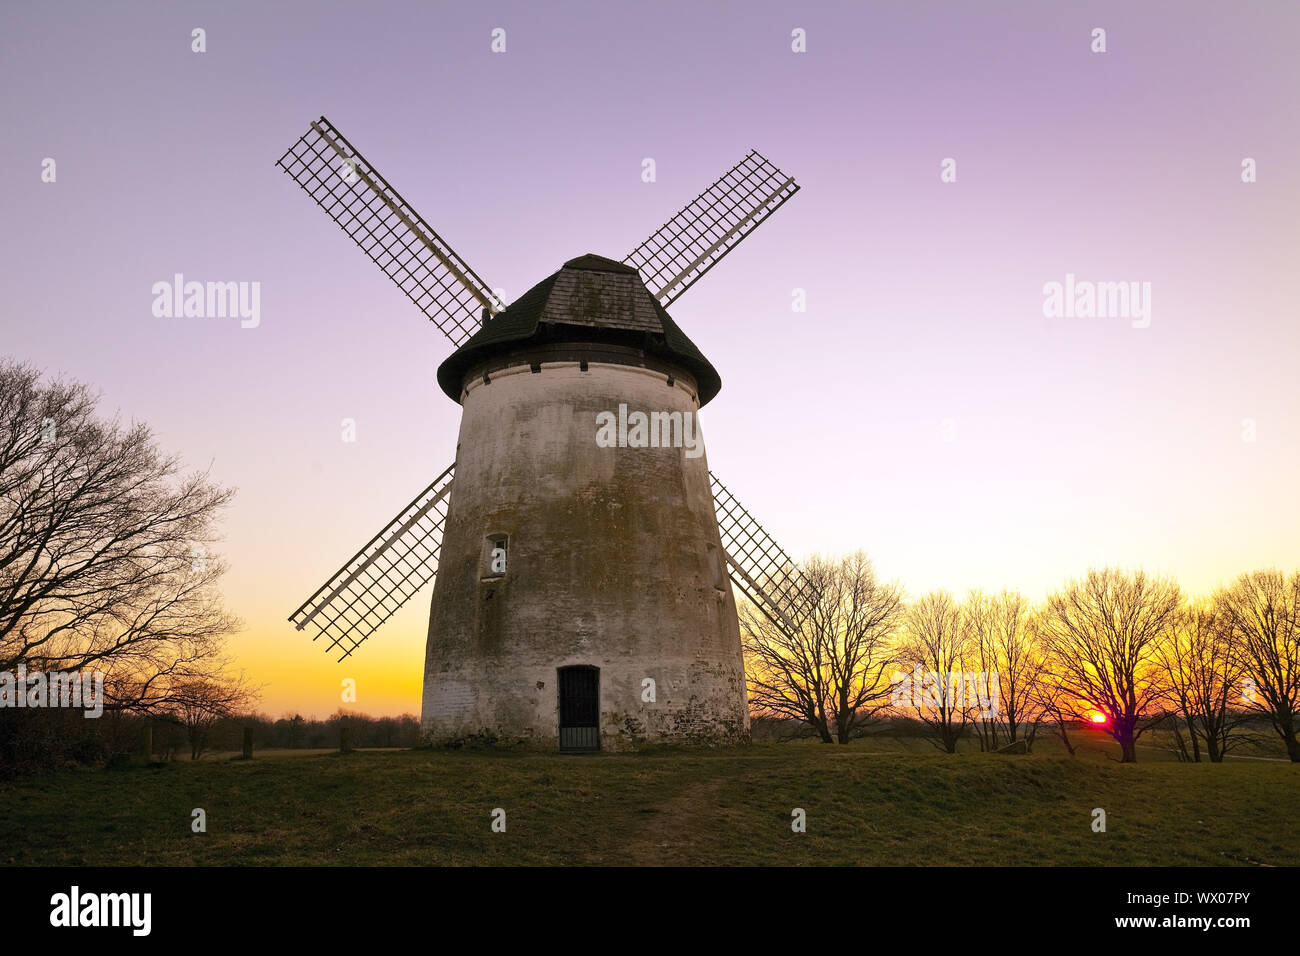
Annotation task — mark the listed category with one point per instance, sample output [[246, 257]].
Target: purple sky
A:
[[922, 408]]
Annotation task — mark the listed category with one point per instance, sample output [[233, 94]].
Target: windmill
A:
[[582, 593]]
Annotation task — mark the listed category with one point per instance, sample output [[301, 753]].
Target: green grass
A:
[[881, 802]]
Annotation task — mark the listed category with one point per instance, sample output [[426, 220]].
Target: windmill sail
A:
[[758, 565], [389, 231], [383, 575], [695, 240]]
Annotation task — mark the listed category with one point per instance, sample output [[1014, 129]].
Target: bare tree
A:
[[104, 559], [1202, 678], [1003, 648], [1100, 636], [823, 660], [198, 703], [1261, 611], [936, 645], [1051, 703]]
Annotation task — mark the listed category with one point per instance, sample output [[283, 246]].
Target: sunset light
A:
[[651, 435]]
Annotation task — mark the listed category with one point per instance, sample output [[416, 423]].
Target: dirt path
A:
[[662, 837]]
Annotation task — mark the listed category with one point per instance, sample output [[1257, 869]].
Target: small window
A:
[[495, 556], [715, 568]]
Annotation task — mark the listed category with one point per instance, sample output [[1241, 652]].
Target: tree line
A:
[[1126, 650], [288, 732], [52, 738]]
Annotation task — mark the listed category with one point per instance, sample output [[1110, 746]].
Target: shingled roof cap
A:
[[590, 299]]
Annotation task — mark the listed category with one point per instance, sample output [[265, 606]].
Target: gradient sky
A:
[[922, 408]]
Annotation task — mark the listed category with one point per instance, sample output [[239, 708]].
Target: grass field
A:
[[882, 802]]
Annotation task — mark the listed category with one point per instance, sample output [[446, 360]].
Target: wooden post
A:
[[345, 739], [248, 743], [148, 741]]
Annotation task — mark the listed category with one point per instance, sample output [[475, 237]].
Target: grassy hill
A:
[[878, 803]]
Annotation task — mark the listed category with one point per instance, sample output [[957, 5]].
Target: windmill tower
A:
[[581, 550]]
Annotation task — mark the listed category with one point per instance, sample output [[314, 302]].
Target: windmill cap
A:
[[591, 299], [594, 263]]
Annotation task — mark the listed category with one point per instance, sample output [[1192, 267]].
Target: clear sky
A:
[[923, 407]]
